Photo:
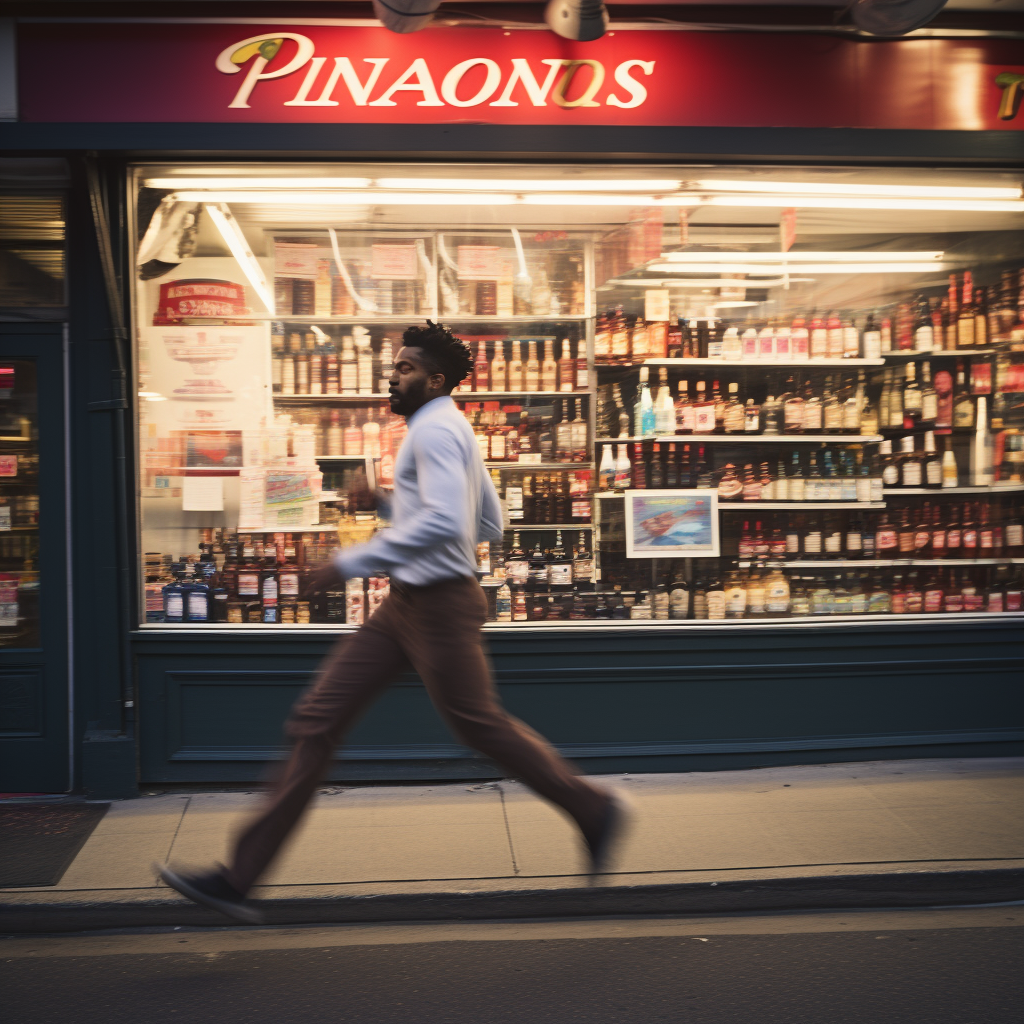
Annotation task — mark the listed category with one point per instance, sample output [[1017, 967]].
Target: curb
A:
[[862, 891]]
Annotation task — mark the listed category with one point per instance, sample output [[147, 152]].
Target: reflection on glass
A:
[[19, 505], [31, 251]]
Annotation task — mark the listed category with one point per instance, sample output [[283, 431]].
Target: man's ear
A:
[[436, 382]]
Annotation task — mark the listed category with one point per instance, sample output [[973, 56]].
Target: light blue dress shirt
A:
[[444, 505]]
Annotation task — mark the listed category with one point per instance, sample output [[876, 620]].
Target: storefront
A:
[[747, 313]]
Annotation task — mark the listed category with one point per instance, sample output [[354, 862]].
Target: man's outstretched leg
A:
[[354, 673], [445, 646]]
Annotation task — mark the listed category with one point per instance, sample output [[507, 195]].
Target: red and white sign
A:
[[211, 72]]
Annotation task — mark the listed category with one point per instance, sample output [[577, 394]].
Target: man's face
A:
[[413, 381]]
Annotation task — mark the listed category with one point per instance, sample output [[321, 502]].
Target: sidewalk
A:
[[883, 833]]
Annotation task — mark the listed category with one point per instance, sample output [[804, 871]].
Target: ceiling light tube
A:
[[264, 183], [235, 241], [365, 198], [804, 268], [587, 200], [707, 282], [528, 185], [832, 189], [863, 203], [801, 257]]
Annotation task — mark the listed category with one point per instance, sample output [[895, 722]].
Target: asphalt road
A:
[[904, 967]]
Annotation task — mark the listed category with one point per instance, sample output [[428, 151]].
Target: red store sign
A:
[[212, 72]]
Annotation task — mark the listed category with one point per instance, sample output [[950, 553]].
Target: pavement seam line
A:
[[174, 838], [508, 831]]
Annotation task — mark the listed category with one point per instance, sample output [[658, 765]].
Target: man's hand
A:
[[326, 577]]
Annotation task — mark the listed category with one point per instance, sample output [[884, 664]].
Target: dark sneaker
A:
[[618, 817], [211, 890]]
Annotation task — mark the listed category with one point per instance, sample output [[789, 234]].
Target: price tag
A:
[[479, 262], [5, 518], [8, 465], [393, 262]]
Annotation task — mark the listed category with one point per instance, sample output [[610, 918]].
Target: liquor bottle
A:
[[923, 532], [733, 421], [912, 399], [792, 408], [656, 475], [981, 318], [732, 344], [277, 352], [643, 410], [371, 436], [582, 373], [781, 481], [537, 578], [766, 341], [751, 417], [812, 539], [386, 361], [288, 366], [929, 398], [679, 595], [968, 533], [965, 319], [664, 410], [620, 337], [687, 477], [582, 565], [812, 410], [896, 407], [748, 343], [566, 368], [730, 487], [938, 535], [702, 471], [684, 409], [795, 479], [981, 465], [872, 338], [911, 470], [932, 467], [963, 401], [503, 603], [954, 533], [833, 336], [269, 585], [515, 367], [532, 372], [316, 368], [549, 368], [364, 361], [349, 368], [563, 434], [986, 532], [579, 432], [639, 467], [831, 410], [603, 339], [352, 437], [333, 438], [818, 338], [517, 565], [1013, 535], [853, 401], [671, 467], [924, 335], [173, 596], [639, 341], [498, 369], [623, 470], [905, 534], [332, 369], [799, 338], [869, 418], [751, 488], [703, 411], [289, 573], [783, 342], [771, 414], [943, 400], [884, 400], [606, 470], [886, 539], [559, 566], [719, 401]]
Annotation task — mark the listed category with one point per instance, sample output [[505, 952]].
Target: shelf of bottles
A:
[[833, 440]]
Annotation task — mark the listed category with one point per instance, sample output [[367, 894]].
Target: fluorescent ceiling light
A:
[[801, 257], [273, 183], [235, 240], [809, 188], [588, 200], [708, 282], [529, 185], [804, 268], [348, 198], [859, 203]]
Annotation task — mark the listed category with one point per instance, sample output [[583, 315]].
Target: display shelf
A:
[[744, 438], [525, 466], [874, 563], [21, 529], [797, 506], [469, 396], [548, 526], [995, 489], [946, 353], [765, 364], [331, 528], [342, 458], [332, 398], [749, 506], [483, 318]]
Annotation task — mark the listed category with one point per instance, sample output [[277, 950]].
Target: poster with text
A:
[[671, 524]]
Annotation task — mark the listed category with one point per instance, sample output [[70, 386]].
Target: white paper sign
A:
[[656, 304], [202, 494]]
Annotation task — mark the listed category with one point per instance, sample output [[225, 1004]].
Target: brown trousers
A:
[[436, 631]]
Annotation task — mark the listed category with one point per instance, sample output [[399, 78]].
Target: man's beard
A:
[[406, 404]]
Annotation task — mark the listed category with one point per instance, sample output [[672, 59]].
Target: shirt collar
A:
[[432, 408]]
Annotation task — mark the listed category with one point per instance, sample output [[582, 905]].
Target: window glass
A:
[[745, 394], [31, 251]]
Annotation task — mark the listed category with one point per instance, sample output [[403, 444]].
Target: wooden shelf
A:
[[763, 364], [745, 438]]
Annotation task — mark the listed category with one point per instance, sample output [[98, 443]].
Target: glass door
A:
[[33, 566]]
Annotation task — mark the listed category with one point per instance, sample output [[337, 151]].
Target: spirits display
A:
[[861, 428]]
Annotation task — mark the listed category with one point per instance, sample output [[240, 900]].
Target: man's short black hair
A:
[[446, 353]]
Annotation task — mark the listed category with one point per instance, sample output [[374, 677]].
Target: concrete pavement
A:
[[869, 833]]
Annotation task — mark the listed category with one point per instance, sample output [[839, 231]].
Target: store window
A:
[[759, 394]]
